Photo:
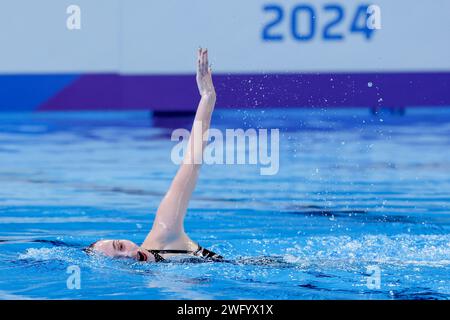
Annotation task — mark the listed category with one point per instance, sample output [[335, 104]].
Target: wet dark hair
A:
[[90, 249]]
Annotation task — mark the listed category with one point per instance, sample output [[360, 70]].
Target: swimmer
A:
[[167, 237]]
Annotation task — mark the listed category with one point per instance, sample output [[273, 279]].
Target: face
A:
[[118, 249]]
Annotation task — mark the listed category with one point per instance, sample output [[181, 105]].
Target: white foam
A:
[[346, 251]]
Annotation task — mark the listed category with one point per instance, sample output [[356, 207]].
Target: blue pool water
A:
[[354, 191]]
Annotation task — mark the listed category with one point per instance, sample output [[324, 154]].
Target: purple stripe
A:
[[88, 92], [179, 93]]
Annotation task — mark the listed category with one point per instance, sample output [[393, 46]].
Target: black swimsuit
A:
[[200, 252]]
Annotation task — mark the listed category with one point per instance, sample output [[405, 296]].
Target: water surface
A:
[[354, 191]]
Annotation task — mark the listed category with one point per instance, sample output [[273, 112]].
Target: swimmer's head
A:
[[117, 249]]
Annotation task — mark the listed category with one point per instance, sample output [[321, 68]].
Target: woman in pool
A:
[[167, 236]]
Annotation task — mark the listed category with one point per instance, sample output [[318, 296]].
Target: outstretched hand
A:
[[204, 76]]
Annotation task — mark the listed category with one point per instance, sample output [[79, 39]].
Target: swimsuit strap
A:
[[157, 256], [200, 252], [173, 251], [207, 254]]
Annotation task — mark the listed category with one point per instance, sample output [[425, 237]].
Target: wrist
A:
[[209, 95]]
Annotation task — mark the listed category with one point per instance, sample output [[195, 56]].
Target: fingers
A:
[[199, 60], [202, 64], [204, 59], [205, 62]]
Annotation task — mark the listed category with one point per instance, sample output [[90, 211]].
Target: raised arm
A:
[[168, 227]]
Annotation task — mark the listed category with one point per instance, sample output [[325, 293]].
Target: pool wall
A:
[[282, 53], [179, 92]]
